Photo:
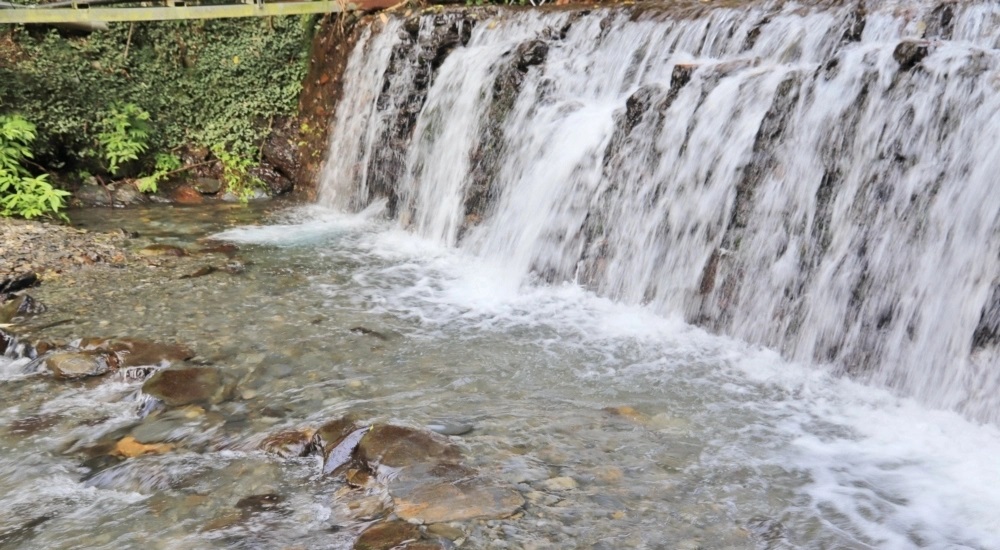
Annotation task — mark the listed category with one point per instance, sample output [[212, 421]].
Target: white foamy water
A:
[[817, 180], [780, 174], [851, 465]]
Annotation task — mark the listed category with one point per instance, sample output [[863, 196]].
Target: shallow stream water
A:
[[728, 446]]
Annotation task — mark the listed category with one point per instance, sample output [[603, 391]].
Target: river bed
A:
[[670, 437]]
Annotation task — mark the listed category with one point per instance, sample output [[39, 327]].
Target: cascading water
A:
[[819, 180]]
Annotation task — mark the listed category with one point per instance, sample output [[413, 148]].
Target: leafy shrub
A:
[[202, 83], [236, 173], [124, 135], [22, 194], [166, 163]]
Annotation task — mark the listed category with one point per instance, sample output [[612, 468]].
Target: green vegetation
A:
[[125, 103], [22, 194]]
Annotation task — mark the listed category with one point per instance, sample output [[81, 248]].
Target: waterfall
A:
[[817, 179]]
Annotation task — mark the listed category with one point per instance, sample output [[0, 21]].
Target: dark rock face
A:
[[280, 149], [486, 156], [185, 386], [909, 53], [19, 282], [277, 183]]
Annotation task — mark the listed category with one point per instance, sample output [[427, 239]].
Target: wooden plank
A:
[[87, 15]]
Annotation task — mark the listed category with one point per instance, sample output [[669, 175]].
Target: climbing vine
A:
[[116, 99]]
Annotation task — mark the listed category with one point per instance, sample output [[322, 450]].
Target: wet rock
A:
[[460, 500], [186, 194], [80, 364], [185, 386], [386, 535], [909, 52], [277, 184], [450, 428], [20, 306], [331, 434], [12, 537], [129, 447], [446, 531], [627, 413], [92, 195], [563, 483], [227, 249], [288, 444], [399, 446], [207, 186], [200, 272], [18, 282], [137, 353], [7, 342], [31, 425], [260, 503], [162, 250], [280, 149], [127, 194], [369, 332], [235, 268]]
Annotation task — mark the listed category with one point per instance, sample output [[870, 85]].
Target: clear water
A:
[[733, 447]]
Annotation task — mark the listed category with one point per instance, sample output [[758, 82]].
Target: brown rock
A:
[[386, 535], [288, 444], [185, 194], [627, 413], [176, 387], [440, 502], [129, 447], [20, 306], [137, 353], [162, 250], [399, 446], [207, 186], [329, 435]]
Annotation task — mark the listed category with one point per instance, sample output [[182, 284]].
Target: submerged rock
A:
[[399, 446], [177, 387], [260, 503], [386, 535], [464, 499], [162, 250]]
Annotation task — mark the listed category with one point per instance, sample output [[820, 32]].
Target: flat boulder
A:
[[80, 364], [461, 500], [399, 446], [386, 535], [186, 386]]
